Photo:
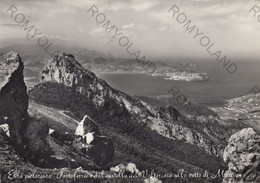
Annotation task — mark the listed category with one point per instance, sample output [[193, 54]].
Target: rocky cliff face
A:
[[27, 134], [243, 157], [68, 71], [13, 96], [121, 108]]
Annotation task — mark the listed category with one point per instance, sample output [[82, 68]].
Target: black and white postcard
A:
[[129, 91]]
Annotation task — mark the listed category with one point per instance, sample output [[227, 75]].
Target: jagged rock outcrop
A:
[[27, 133], [68, 71], [86, 126], [97, 147], [13, 96], [170, 112], [243, 157]]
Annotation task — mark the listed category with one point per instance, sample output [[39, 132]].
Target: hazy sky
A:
[[147, 23]]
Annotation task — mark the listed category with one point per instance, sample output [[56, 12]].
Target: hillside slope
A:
[[67, 86], [126, 129]]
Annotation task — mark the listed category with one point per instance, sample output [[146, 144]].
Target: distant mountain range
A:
[[35, 58]]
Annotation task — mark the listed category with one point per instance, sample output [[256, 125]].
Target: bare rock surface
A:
[[99, 148], [13, 96], [87, 125], [68, 71], [28, 134], [243, 157]]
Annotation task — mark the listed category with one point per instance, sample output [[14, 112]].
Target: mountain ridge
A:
[[99, 96], [153, 138]]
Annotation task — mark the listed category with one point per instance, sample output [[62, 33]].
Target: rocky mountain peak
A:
[[66, 70]]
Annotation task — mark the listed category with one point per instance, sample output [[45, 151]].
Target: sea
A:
[[214, 92]]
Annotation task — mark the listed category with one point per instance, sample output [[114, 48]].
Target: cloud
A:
[[98, 32], [134, 27], [143, 5], [127, 26], [59, 37], [226, 22]]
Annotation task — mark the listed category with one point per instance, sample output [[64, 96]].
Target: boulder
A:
[[97, 147], [36, 147], [13, 96], [152, 180], [5, 128], [131, 167], [88, 129], [243, 157], [102, 151], [121, 168], [28, 134]]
